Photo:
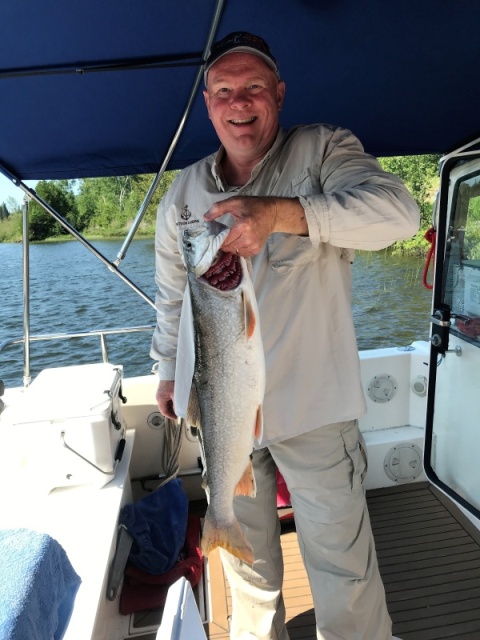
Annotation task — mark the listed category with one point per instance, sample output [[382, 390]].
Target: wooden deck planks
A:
[[429, 557]]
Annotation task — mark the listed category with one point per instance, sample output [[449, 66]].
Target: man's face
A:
[[243, 98]]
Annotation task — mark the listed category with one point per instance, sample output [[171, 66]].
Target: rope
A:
[[430, 236], [171, 449]]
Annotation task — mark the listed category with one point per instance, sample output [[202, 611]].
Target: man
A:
[[299, 202]]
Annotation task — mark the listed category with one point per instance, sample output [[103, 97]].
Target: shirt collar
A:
[[218, 157]]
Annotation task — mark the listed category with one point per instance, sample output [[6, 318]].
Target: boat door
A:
[[452, 447]]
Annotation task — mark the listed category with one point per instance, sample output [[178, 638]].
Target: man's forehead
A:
[[239, 63]]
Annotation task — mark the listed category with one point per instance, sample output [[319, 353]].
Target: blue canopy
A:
[[98, 87]]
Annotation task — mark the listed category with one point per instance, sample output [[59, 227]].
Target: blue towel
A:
[[158, 525], [37, 586]]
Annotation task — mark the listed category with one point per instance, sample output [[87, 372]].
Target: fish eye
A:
[[187, 244]]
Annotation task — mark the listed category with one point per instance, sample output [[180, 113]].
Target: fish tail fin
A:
[[229, 537]]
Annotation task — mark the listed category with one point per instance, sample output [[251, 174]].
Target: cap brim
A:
[[243, 49]]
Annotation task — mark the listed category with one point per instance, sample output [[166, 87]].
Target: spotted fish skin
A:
[[228, 380]]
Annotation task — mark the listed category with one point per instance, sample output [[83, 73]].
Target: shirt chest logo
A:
[[186, 217]]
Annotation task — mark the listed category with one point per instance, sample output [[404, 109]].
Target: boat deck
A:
[[429, 557]]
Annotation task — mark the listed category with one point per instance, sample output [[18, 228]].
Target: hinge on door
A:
[[440, 320], [441, 323]]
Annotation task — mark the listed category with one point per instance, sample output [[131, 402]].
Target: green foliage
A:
[[420, 174], [13, 206], [472, 229], [58, 194], [95, 206], [4, 212], [11, 228], [108, 206]]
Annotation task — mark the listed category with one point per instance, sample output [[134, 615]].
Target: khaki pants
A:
[[323, 470]]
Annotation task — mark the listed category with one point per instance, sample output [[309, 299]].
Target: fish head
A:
[[202, 246]]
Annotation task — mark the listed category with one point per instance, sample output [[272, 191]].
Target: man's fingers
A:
[[233, 241], [169, 413], [218, 209], [164, 396]]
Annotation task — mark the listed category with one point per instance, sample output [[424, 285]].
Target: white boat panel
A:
[[181, 620], [404, 366], [83, 520]]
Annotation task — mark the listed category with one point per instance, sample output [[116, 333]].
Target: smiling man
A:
[[243, 98], [299, 202]]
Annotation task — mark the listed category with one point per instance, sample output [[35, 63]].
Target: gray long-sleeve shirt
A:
[[302, 284]]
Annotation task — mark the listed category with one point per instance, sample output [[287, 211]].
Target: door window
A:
[[452, 445]]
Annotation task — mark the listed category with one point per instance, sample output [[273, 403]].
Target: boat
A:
[[96, 89]]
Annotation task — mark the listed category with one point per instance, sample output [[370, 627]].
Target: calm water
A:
[[72, 291]]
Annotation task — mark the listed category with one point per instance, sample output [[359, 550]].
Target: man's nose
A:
[[240, 98]]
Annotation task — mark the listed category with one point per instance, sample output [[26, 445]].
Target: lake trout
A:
[[228, 380]]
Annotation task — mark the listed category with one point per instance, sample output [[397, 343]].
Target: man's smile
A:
[[243, 120]]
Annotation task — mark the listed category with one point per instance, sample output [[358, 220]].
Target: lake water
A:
[[71, 291]]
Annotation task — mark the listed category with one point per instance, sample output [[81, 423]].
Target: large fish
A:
[[228, 380]]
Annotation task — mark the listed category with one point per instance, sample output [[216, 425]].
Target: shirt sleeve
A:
[[361, 206], [170, 277]]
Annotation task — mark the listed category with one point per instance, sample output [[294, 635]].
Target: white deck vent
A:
[[419, 386]]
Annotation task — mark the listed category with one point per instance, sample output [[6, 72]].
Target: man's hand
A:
[[165, 398], [255, 218]]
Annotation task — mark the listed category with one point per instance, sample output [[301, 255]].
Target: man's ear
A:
[[280, 94], [207, 101]]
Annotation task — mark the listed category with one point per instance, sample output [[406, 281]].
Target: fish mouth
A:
[[225, 273]]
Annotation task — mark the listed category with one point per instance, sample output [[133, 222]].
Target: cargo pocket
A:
[[356, 451]]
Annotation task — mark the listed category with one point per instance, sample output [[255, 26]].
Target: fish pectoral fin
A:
[[259, 424], [229, 537], [193, 409], [246, 486], [250, 320]]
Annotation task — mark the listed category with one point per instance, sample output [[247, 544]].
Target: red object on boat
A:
[[430, 235], [283, 494], [470, 328]]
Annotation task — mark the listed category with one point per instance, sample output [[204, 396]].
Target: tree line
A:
[[103, 207], [107, 206]]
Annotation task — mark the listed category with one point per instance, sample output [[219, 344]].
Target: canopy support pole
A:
[[26, 294], [198, 79]]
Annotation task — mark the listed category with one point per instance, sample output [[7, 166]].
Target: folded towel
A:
[[142, 591], [38, 586], [157, 524]]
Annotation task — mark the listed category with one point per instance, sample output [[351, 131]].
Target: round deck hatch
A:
[[403, 462], [382, 388]]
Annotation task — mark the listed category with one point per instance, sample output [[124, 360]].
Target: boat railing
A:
[[100, 333]]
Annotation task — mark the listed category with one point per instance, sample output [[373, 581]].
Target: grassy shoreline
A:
[[416, 246]]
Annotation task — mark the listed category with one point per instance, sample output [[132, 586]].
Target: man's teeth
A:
[[244, 121]]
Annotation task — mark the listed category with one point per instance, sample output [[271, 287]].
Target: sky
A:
[[9, 190]]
